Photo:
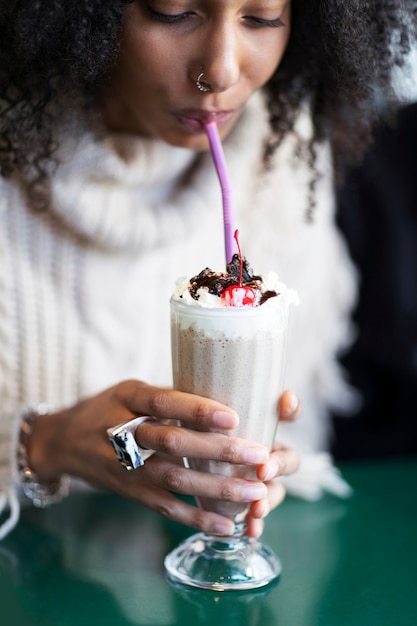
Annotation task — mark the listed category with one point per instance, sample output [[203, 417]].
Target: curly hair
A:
[[339, 60]]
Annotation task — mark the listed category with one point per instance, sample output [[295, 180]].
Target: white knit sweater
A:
[[84, 287]]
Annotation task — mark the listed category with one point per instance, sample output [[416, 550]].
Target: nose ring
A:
[[200, 84]]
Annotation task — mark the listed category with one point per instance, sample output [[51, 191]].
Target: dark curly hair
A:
[[339, 60]]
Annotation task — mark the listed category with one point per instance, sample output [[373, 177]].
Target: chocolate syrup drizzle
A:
[[217, 282]]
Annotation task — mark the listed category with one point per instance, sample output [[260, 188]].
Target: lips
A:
[[194, 119]]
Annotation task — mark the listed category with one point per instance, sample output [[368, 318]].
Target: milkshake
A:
[[228, 344]]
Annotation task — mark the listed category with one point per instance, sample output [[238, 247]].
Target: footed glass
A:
[[235, 356]]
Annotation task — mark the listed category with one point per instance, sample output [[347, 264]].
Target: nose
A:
[[221, 57]]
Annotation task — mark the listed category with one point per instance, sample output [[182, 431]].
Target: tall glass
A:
[[235, 356]]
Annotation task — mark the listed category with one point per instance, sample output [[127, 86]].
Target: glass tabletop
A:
[[96, 559]]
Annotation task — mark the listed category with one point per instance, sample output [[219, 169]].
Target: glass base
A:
[[222, 563]]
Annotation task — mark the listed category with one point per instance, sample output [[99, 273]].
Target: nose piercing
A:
[[202, 85]]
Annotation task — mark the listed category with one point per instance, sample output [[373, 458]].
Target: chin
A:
[[194, 141], [191, 142]]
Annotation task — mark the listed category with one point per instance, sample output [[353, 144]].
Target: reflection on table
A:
[[97, 559]]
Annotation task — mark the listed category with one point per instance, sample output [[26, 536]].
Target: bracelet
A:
[[41, 494]]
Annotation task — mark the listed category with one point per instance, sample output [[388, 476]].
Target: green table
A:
[[97, 560]]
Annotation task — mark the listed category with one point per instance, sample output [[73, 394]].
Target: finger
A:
[[182, 442], [174, 477], [276, 494], [289, 406], [260, 508], [143, 399], [174, 509], [255, 527], [288, 460], [282, 462]]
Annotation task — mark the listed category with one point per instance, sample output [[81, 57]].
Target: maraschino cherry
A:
[[238, 295]]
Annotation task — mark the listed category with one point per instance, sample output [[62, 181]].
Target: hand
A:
[[75, 442], [282, 461]]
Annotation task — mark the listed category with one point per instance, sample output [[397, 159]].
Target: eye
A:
[[259, 22], [167, 18]]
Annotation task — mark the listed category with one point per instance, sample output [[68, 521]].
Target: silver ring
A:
[[202, 85], [122, 438]]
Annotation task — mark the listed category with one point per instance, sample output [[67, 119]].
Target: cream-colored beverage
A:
[[235, 356], [232, 352]]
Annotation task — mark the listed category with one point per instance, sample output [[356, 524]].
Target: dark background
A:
[[377, 212]]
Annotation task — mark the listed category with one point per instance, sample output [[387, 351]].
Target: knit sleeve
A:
[[9, 501]]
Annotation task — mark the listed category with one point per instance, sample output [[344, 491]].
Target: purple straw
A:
[[228, 213]]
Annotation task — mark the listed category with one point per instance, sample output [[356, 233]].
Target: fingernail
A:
[[221, 419], [222, 529], [292, 403], [256, 491], [255, 456], [266, 509], [272, 471]]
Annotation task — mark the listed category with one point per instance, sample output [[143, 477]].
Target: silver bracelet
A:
[[41, 494]]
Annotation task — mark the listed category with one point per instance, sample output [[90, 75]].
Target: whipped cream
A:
[[205, 299]]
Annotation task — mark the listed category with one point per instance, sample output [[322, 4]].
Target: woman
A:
[[108, 195]]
